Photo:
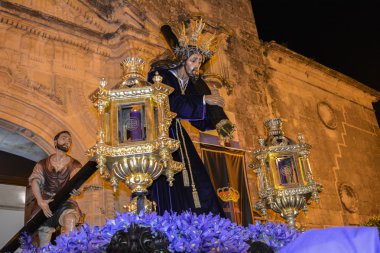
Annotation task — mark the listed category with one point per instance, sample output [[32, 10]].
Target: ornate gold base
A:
[[149, 206]]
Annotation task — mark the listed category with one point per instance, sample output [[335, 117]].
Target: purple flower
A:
[[275, 235], [186, 232], [26, 243]]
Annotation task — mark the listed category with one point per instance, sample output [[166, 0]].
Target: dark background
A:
[[340, 34]]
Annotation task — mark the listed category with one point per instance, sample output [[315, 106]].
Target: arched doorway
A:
[[18, 154]]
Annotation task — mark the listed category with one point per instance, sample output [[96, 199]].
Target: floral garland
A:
[[186, 232]]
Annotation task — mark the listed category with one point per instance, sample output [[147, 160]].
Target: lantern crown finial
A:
[[157, 78], [276, 136], [274, 127], [133, 68], [103, 82]]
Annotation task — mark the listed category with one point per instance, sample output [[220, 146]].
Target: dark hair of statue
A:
[[168, 59], [59, 134]]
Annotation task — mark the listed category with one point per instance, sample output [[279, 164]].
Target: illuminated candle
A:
[[135, 125]]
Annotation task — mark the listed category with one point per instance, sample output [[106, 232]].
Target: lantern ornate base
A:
[[287, 206], [291, 220], [140, 204], [138, 182]]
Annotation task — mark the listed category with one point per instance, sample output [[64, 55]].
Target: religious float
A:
[[133, 147]]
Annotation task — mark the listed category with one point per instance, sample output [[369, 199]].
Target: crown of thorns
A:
[[192, 41]]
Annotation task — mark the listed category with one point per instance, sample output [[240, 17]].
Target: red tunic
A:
[[52, 181]]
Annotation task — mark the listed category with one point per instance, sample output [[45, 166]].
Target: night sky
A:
[[339, 34]]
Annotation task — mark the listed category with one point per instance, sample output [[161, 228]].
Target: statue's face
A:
[[192, 65], [63, 142]]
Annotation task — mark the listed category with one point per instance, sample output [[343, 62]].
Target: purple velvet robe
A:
[[336, 240], [178, 198]]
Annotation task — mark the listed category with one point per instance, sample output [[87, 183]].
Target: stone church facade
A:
[[53, 53]]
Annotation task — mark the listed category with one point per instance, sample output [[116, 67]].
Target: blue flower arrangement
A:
[[186, 232]]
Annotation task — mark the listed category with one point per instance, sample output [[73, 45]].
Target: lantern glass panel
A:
[[131, 123], [155, 112], [106, 126], [303, 170], [287, 171]]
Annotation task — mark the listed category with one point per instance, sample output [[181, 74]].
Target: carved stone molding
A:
[[327, 115], [19, 77], [92, 188], [54, 35], [108, 37], [348, 197]]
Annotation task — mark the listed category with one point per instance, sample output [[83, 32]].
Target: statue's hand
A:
[[225, 130], [44, 205], [214, 99], [75, 192]]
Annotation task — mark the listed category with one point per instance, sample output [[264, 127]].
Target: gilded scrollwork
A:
[[146, 148]]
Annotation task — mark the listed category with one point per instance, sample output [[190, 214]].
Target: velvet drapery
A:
[[226, 168]]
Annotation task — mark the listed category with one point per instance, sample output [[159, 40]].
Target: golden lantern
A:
[[133, 143], [285, 181]]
